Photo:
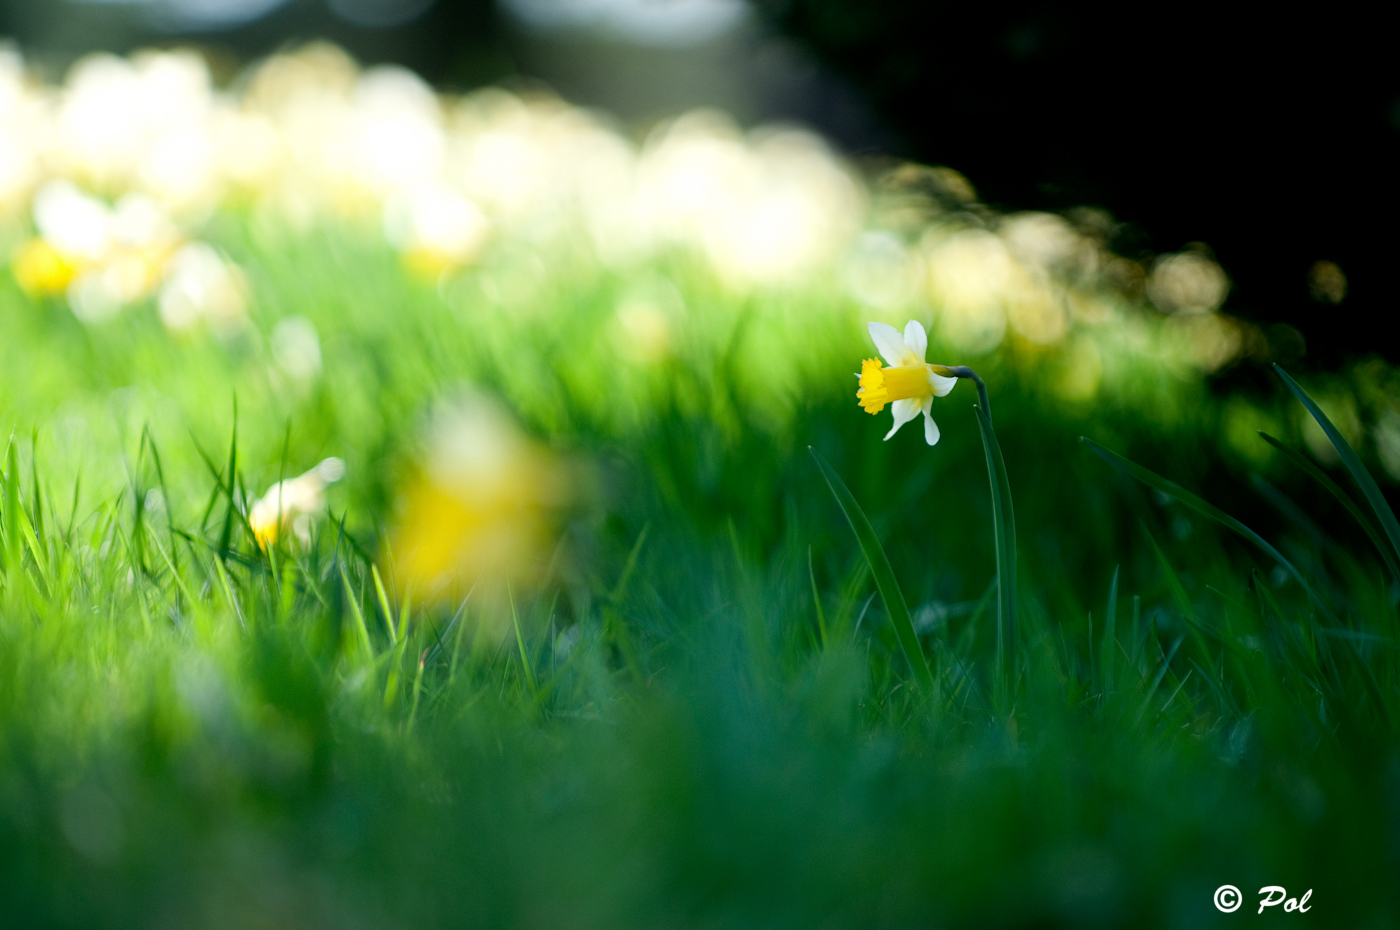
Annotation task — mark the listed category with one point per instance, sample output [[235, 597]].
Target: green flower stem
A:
[[1003, 524]]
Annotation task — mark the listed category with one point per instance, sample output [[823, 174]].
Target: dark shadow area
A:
[[1272, 138]]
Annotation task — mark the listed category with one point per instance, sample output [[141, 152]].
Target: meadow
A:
[[567, 627]]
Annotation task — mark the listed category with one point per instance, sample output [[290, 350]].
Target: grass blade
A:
[[354, 604], [1172, 489], [526, 663], [1137, 625], [384, 604], [816, 599], [629, 566], [417, 690], [1357, 514], [227, 585], [1108, 653], [1161, 673], [226, 533], [9, 513], [1178, 593], [884, 575], [1363, 478], [37, 514]]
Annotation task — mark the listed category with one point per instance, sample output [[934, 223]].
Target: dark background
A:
[[1271, 137]]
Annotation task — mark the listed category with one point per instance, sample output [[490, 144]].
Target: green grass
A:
[[704, 717]]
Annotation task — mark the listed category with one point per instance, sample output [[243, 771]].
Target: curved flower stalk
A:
[[908, 385]]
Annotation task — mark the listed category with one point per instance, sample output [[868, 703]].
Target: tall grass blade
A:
[[816, 599], [227, 587], [459, 620], [1321, 477], [1227, 703], [417, 690], [405, 611], [9, 513], [165, 496], [226, 532], [884, 575], [180, 584], [1137, 626], [1179, 686], [1178, 592], [525, 662], [1172, 489], [1161, 673], [1109, 651], [630, 566], [37, 514], [1352, 461], [354, 603], [384, 605]]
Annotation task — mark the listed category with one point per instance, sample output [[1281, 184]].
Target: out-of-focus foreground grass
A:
[[580, 637]]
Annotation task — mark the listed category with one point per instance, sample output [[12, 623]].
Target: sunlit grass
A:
[[280, 736]]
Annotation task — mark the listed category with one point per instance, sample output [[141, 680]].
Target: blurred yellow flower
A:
[[39, 268], [909, 385], [294, 502], [480, 510]]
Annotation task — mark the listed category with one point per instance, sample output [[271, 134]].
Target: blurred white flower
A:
[[969, 274], [295, 502], [765, 210], [22, 112], [878, 270], [201, 288], [121, 164], [139, 122], [105, 258], [1044, 241], [398, 135], [1187, 282], [77, 224], [296, 348], [435, 227]]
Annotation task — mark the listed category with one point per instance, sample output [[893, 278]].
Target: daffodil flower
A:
[[294, 501], [909, 384]]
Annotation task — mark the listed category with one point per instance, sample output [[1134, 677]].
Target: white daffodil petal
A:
[[904, 411], [941, 385], [889, 343], [916, 339], [930, 427]]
